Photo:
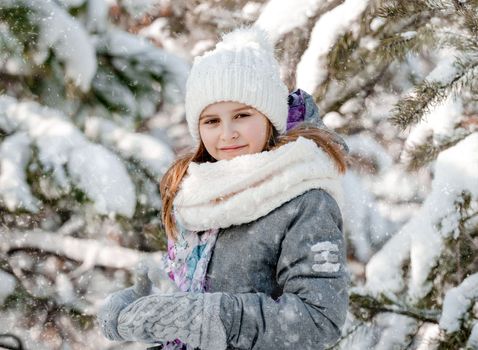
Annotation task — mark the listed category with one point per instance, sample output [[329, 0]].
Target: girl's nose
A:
[[229, 132]]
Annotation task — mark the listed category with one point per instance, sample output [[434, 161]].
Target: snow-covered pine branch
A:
[[90, 252], [15, 192], [434, 133], [447, 79], [281, 17], [137, 59], [331, 25], [71, 158], [457, 309], [62, 33], [422, 240], [150, 153]]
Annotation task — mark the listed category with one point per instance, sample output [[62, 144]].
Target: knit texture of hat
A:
[[241, 68]]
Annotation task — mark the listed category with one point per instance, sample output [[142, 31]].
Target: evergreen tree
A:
[[420, 287], [79, 168], [86, 83]]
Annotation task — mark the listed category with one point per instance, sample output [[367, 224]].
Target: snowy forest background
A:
[[91, 116]]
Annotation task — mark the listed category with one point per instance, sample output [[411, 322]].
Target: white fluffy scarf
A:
[[247, 187]]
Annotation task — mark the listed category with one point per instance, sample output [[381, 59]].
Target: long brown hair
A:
[[170, 182]]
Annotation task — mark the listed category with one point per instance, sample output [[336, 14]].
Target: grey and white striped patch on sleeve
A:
[[326, 257]]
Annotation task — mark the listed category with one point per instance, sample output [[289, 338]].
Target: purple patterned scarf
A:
[[186, 264]]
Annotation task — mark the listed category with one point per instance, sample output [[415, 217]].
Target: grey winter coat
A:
[[277, 279], [283, 277]]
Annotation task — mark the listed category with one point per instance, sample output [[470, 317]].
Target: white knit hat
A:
[[241, 68]]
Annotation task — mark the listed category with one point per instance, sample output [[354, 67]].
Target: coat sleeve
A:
[[312, 272]]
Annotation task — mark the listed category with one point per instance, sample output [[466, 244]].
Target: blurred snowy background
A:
[[91, 115]]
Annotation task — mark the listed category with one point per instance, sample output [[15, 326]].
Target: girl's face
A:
[[229, 129]]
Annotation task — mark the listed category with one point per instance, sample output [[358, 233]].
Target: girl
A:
[[253, 217]]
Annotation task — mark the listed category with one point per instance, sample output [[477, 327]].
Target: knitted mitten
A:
[[114, 303], [192, 318]]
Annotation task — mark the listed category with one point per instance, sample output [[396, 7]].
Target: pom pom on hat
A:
[[253, 37], [241, 68]]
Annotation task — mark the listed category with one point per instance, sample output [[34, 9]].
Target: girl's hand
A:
[[114, 303], [191, 317]]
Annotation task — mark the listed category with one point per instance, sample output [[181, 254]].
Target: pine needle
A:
[[411, 109]]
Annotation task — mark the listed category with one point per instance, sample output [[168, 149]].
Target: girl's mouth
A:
[[229, 149]]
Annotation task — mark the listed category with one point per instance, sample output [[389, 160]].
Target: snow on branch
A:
[[15, 154], [449, 77], [397, 330], [421, 241], [94, 169], [59, 31], [147, 57], [472, 342], [457, 303], [280, 17], [7, 285], [150, 152], [88, 251], [312, 69], [435, 131], [104, 178]]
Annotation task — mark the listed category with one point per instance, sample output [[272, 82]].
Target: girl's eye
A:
[[213, 121]]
